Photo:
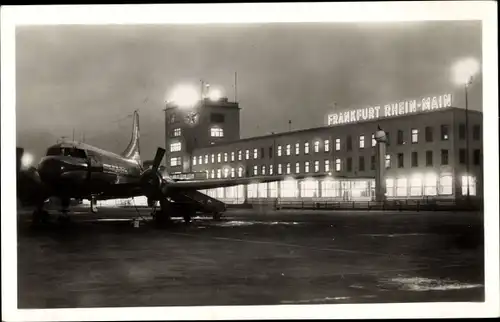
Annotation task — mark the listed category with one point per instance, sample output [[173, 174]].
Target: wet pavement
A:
[[252, 258]]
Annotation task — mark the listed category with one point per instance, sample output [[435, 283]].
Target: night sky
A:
[[89, 78]]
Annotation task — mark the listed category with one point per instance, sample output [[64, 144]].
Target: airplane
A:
[[76, 170]]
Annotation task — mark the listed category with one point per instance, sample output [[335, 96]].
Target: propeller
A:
[[160, 152], [151, 179]]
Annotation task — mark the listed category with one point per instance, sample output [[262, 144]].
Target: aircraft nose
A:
[[50, 169]]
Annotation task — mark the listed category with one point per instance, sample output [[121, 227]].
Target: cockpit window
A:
[[67, 151]]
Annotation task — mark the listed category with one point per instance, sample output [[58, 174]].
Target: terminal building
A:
[[427, 155]]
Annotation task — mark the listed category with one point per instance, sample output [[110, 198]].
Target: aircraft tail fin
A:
[[133, 150]]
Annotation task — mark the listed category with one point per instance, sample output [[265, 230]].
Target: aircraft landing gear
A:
[[162, 217], [64, 217], [93, 204]]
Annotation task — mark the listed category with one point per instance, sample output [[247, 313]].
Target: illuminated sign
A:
[[394, 109]]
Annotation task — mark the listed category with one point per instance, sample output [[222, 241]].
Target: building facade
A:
[[426, 155]]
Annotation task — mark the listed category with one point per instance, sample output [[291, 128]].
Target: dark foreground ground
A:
[[253, 258]]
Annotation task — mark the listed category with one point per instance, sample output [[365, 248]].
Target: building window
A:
[[401, 187], [361, 141], [414, 159], [240, 172], [213, 158], [177, 132], [232, 172], [361, 163], [349, 164], [288, 168], [428, 159], [400, 138], [414, 135], [175, 147], [200, 160], [247, 154], [327, 165], [316, 146], [297, 148], [297, 167], [444, 132], [461, 131], [461, 156], [306, 148], [338, 166], [477, 157], [175, 162], [444, 157], [430, 184], [219, 173], [288, 149], [217, 118], [372, 162], [255, 170], [401, 160], [270, 152], [255, 154], [270, 169], [374, 142], [172, 119], [387, 161], [216, 132], [206, 158], [349, 143], [476, 132], [226, 172], [263, 170], [232, 156], [327, 145], [219, 160], [280, 170], [225, 156], [306, 167], [262, 153], [428, 134], [212, 174], [316, 166], [239, 155], [446, 185], [279, 150], [389, 185], [472, 185], [416, 186], [194, 160], [337, 144]]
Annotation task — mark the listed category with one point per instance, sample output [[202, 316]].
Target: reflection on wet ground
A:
[[251, 259]]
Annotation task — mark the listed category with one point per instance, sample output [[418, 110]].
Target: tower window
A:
[[327, 145], [216, 132], [414, 135], [175, 147], [361, 141], [316, 146], [177, 132], [306, 148], [217, 118]]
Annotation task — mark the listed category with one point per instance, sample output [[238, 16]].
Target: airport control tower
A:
[[209, 120]]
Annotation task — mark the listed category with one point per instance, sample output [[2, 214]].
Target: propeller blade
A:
[[158, 157]]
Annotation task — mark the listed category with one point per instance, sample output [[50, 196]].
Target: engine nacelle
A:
[[152, 184]]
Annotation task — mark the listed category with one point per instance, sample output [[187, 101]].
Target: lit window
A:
[[288, 168], [219, 173], [174, 162], [255, 153], [225, 157], [213, 158], [212, 174], [416, 185], [279, 150], [337, 144], [387, 161], [316, 146], [472, 185], [175, 147], [206, 158], [240, 172], [306, 167], [337, 165], [414, 135], [327, 165], [306, 148], [297, 148], [194, 160], [232, 172], [255, 170], [389, 186], [200, 160], [271, 169], [401, 187], [280, 170], [288, 189], [216, 132], [445, 185], [297, 167], [374, 142], [263, 170], [327, 145], [177, 132], [239, 155], [309, 188], [444, 132], [247, 154], [226, 172], [316, 166], [430, 184], [218, 158], [232, 156], [288, 148], [361, 141], [330, 188]]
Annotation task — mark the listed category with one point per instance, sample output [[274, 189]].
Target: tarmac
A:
[[251, 257]]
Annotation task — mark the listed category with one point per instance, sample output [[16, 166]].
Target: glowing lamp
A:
[[215, 95], [184, 96], [464, 70], [26, 160]]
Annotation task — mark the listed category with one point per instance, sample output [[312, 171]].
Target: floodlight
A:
[[215, 95], [26, 160], [464, 70], [184, 96]]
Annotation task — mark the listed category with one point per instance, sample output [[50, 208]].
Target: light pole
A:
[[464, 71]]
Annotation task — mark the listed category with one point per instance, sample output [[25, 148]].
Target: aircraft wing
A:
[[219, 183]]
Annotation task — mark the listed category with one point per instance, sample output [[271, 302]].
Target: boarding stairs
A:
[[200, 201]]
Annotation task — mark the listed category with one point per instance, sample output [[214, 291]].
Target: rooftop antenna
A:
[[289, 125], [236, 86]]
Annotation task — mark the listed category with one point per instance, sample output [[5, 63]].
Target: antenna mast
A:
[[235, 86]]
